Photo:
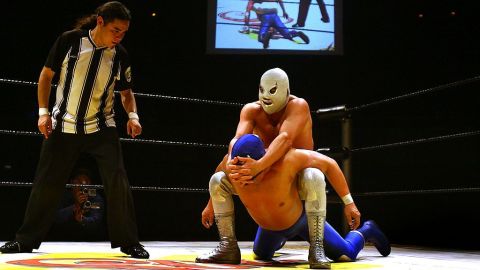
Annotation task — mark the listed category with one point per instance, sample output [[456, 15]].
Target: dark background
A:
[[389, 50]]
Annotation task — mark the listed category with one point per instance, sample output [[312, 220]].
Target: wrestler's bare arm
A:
[[331, 169], [335, 177], [245, 125], [297, 116], [285, 15]]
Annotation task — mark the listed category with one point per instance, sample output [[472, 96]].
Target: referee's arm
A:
[[128, 101]]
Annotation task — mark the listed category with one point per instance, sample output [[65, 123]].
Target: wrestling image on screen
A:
[[275, 25]]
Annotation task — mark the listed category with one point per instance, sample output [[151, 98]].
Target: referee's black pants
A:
[[57, 158], [303, 8]]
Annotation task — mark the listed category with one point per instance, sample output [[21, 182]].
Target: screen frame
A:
[[211, 36]]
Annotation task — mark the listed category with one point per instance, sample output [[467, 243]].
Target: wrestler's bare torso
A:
[[273, 200]]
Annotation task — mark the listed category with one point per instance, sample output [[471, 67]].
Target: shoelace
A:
[[221, 248], [316, 229]]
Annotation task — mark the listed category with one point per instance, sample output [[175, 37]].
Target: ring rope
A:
[[191, 100], [413, 94], [219, 146], [145, 141], [416, 141], [420, 191], [172, 189], [186, 99], [201, 190], [289, 28]]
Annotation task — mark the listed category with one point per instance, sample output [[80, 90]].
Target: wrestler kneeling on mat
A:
[[282, 121], [273, 201]]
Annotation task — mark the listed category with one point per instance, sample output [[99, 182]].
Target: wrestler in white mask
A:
[[274, 90]]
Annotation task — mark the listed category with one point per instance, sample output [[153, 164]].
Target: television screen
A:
[[275, 26]]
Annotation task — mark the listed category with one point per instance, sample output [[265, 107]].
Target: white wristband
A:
[[43, 111], [347, 199], [133, 115]]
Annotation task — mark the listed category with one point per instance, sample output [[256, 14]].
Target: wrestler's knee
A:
[[219, 186], [264, 255], [311, 181]]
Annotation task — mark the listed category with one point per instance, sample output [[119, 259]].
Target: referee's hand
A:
[[45, 125], [134, 128]]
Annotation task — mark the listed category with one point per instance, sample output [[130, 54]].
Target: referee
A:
[[92, 65]]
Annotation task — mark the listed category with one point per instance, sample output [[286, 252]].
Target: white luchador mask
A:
[[274, 90]]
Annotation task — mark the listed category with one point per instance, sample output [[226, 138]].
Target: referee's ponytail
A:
[[108, 11]]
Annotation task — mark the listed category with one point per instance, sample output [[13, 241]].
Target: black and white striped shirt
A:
[[89, 75]]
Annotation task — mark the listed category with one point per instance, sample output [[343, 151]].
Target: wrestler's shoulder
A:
[[295, 101], [252, 106], [295, 156]]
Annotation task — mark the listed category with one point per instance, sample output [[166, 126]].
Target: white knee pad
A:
[[221, 191], [311, 187]]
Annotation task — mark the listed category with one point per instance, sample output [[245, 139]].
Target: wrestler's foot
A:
[[303, 37], [227, 252], [297, 25], [373, 234], [15, 247], [244, 30], [325, 19], [136, 251], [266, 40], [317, 258]]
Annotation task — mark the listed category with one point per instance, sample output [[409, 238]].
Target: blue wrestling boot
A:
[[372, 233]]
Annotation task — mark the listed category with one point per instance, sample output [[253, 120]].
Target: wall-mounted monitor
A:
[[275, 27]]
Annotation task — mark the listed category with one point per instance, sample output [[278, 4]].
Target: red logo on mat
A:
[[238, 16], [124, 264]]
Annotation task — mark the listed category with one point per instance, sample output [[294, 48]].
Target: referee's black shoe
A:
[[15, 247], [136, 251]]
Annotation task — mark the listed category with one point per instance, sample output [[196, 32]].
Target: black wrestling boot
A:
[[15, 247], [266, 39], [227, 251], [304, 37], [316, 253], [136, 251]]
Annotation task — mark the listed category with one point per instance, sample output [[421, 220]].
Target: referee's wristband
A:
[[43, 111], [347, 199], [133, 115]]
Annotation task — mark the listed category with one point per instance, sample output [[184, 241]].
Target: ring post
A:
[[341, 113], [346, 123]]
